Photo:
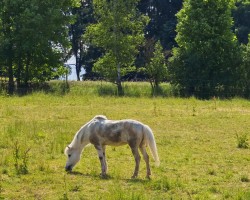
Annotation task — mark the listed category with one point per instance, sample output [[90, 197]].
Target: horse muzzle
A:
[[68, 168]]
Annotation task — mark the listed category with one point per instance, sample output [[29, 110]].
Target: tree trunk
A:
[[118, 81], [78, 67], [120, 89], [19, 69], [11, 84], [26, 79]]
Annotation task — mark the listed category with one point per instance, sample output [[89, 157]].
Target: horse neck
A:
[[80, 140]]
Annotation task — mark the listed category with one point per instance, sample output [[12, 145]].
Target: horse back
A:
[[116, 132]]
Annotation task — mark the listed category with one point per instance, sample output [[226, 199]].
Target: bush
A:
[[242, 141]]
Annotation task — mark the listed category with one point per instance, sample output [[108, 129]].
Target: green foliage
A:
[[246, 68], [83, 16], [32, 37], [162, 20], [20, 159], [242, 141], [119, 32], [63, 71], [241, 16], [156, 69], [207, 59]]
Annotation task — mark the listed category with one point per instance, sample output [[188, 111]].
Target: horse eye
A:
[[69, 155]]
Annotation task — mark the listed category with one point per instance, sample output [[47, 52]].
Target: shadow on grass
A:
[[98, 176], [109, 177], [137, 180]]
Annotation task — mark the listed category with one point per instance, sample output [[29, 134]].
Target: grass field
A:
[[198, 144]]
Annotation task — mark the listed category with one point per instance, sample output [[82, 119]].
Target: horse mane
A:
[[79, 136], [100, 117]]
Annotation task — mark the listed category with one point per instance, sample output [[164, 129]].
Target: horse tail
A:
[[150, 140]]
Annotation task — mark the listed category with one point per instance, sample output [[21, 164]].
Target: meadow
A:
[[202, 144]]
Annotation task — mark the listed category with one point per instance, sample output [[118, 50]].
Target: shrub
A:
[[242, 141], [20, 159]]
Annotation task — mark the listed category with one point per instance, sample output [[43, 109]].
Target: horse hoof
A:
[[104, 176]]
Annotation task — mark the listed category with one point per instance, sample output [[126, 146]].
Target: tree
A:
[[205, 63], [83, 17], [162, 25], [6, 44], [241, 17], [119, 32], [162, 20], [246, 68], [33, 35], [156, 69]]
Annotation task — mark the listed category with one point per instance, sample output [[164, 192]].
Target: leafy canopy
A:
[[119, 32], [156, 69], [207, 57]]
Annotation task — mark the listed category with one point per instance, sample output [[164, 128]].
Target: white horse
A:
[[101, 132]]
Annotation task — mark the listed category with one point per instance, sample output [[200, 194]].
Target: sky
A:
[[72, 62]]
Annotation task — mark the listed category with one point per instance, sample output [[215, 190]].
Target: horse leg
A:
[[137, 161], [101, 155], [146, 158], [104, 160]]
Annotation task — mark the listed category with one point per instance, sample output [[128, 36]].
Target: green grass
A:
[[196, 140]]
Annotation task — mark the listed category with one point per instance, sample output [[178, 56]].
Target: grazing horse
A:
[[101, 132]]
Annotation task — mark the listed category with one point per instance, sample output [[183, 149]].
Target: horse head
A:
[[73, 156]]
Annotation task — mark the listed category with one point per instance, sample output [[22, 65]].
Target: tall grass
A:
[[101, 88]]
